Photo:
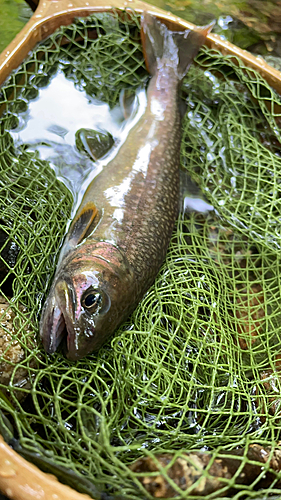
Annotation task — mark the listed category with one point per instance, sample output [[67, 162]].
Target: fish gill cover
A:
[[185, 399]]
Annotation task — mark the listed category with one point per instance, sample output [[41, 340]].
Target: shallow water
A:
[[51, 121]]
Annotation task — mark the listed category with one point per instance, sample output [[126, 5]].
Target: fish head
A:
[[89, 298]]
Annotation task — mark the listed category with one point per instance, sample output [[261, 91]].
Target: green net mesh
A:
[[194, 376]]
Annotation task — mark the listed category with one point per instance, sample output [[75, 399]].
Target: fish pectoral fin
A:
[[83, 224], [81, 227]]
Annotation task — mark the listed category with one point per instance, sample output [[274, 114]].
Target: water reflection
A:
[[48, 125]]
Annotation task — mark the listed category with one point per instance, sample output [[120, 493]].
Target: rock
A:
[[15, 346]]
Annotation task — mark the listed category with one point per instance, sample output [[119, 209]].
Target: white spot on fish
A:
[[143, 157]]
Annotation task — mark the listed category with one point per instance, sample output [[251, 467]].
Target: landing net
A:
[[197, 367]]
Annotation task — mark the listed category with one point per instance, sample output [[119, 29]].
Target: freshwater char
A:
[[119, 236]]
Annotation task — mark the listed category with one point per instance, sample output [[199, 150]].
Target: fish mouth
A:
[[56, 326], [53, 330]]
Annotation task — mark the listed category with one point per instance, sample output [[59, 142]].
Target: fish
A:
[[120, 233]]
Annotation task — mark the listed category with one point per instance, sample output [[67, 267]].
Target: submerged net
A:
[[192, 382]]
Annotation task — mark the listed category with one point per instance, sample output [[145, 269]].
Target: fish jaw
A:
[[57, 318], [62, 321]]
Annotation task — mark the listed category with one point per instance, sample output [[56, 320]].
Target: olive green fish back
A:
[[198, 364]]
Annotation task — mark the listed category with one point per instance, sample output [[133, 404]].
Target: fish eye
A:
[[92, 301]]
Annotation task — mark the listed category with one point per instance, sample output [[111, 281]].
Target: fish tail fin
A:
[[173, 47]]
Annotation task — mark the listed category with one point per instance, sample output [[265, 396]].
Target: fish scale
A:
[[150, 203]]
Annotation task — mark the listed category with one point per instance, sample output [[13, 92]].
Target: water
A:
[[50, 123]]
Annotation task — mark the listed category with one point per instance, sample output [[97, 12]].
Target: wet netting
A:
[[185, 400]]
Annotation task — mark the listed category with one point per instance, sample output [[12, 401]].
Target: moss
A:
[[14, 15]]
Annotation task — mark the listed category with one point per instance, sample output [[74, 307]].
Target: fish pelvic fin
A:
[[177, 48]]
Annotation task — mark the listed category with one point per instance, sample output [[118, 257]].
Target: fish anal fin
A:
[[128, 103]]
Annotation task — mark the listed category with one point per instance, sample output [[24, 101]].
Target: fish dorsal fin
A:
[[83, 223], [191, 197]]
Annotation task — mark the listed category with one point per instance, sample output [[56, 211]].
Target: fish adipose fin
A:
[[178, 48]]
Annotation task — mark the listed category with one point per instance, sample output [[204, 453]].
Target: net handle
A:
[[50, 14], [21, 480]]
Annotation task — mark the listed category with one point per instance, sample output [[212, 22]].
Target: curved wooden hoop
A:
[[50, 14]]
